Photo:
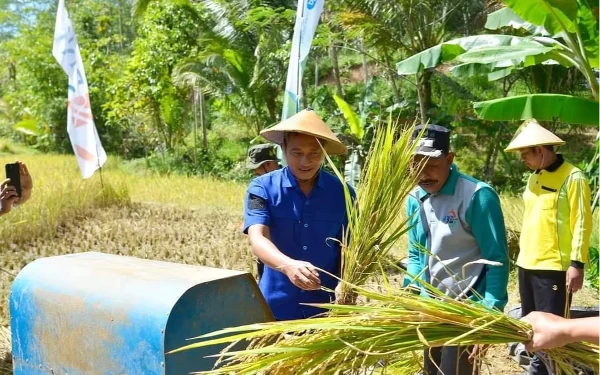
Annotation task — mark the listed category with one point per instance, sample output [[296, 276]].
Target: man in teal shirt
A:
[[458, 219]]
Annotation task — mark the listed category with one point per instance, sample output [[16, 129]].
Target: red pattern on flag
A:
[[84, 154], [81, 110]]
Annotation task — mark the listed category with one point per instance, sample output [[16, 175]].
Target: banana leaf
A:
[[505, 17], [555, 15], [543, 107], [493, 48]]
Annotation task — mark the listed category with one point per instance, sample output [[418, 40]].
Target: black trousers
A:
[[543, 291], [260, 268], [449, 360]]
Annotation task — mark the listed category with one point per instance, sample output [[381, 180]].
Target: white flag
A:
[[80, 122], [307, 19]]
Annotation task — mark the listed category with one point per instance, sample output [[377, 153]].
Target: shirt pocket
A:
[[285, 223], [548, 198], [329, 224]]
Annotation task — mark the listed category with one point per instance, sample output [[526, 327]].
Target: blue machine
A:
[[94, 313]]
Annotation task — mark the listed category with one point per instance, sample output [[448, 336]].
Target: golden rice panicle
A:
[[374, 224]]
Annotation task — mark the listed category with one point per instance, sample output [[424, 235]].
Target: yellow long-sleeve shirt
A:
[[557, 222]]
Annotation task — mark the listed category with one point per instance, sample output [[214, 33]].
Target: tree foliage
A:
[[158, 71]]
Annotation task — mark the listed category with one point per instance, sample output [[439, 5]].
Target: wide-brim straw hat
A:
[[531, 134], [309, 123]]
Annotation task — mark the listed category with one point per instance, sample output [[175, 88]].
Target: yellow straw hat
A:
[[531, 134], [306, 122]]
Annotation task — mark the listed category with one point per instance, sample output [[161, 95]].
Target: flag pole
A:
[[299, 71], [307, 18], [98, 157], [98, 160], [80, 120]]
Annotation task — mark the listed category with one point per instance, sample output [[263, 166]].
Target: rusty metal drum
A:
[[94, 313]]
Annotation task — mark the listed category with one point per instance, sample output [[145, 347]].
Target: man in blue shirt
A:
[[294, 218], [262, 159], [458, 219]]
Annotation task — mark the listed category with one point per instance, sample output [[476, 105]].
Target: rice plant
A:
[[394, 326], [373, 219]]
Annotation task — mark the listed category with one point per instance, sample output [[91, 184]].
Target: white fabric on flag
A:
[[80, 122], [307, 19]]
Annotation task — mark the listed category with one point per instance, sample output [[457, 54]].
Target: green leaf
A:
[[588, 26], [27, 126], [430, 58], [499, 74], [594, 62], [233, 58], [517, 53], [550, 58], [505, 17], [356, 127], [450, 50], [471, 69], [554, 15], [500, 69], [139, 7], [543, 107], [475, 69], [498, 62]]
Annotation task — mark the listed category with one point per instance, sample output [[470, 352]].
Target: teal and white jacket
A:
[[460, 224]]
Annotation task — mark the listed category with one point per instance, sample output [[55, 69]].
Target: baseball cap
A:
[[259, 154], [434, 142]]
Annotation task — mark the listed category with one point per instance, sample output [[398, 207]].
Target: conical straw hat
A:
[[306, 122], [532, 134]]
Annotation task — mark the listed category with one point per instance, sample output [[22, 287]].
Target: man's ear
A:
[[450, 157]]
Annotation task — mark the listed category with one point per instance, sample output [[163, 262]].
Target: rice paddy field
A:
[[177, 218]]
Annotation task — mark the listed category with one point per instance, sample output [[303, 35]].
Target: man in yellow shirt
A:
[[556, 230]]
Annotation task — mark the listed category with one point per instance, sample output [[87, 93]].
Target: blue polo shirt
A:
[[303, 228]]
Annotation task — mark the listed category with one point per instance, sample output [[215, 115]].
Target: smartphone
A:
[[13, 172]]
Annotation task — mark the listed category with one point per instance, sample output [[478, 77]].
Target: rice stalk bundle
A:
[[390, 329], [373, 218]]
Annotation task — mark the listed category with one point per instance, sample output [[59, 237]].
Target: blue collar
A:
[[288, 180]]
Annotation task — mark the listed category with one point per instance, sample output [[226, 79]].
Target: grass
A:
[[59, 193], [145, 186], [177, 218], [61, 196]]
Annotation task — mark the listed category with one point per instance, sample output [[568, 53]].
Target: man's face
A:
[[304, 156], [435, 171], [266, 167], [532, 157]]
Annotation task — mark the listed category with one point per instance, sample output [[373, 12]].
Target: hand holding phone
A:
[[14, 174]]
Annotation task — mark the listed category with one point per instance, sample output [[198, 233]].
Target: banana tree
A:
[[408, 26], [561, 32], [355, 134]]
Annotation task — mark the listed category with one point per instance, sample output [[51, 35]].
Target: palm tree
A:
[[241, 58]]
